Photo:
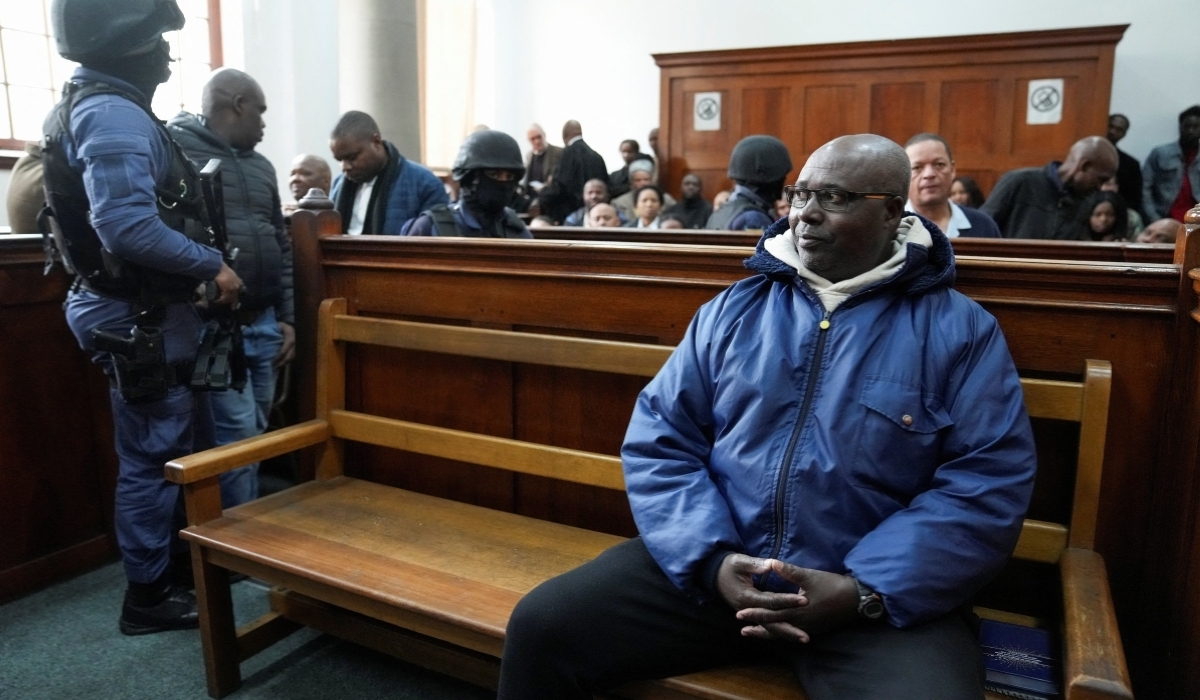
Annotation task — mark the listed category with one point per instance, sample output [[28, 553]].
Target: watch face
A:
[[871, 607]]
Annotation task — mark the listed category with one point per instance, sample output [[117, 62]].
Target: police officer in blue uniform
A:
[[758, 165], [488, 169], [126, 213]]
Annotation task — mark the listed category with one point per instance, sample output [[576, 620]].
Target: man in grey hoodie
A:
[[229, 126]]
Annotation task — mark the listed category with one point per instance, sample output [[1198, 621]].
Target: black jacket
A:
[[1032, 203], [1129, 180], [564, 194], [253, 216], [693, 212]]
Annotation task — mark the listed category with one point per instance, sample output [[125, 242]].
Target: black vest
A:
[[446, 225], [723, 217], [67, 227]]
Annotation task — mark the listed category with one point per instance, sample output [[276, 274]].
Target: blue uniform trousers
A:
[[149, 509], [241, 415]]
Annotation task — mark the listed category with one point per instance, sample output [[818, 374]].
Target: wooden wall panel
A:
[[967, 118], [57, 463], [708, 149], [829, 112], [436, 390], [1031, 140], [764, 110], [897, 110], [970, 89]]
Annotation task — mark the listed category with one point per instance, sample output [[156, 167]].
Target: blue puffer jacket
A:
[[893, 446]]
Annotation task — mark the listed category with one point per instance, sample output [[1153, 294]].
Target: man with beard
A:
[[379, 190], [693, 210], [131, 225], [487, 169]]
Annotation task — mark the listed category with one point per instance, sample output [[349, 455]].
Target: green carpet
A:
[[62, 643]]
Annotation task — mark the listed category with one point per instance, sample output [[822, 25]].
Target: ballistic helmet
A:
[[107, 29], [759, 159], [487, 150]]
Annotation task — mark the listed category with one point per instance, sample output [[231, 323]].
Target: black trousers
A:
[[618, 619]]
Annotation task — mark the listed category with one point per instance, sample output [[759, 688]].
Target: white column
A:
[[378, 67]]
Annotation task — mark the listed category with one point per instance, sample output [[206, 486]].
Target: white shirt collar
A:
[[958, 220], [574, 139]]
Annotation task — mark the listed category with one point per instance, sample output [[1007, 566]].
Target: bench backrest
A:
[[1084, 402]]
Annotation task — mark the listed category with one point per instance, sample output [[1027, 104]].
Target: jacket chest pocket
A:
[[900, 437]]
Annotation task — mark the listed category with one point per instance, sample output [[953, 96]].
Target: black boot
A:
[[157, 607]]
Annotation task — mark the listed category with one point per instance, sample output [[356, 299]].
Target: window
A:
[[448, 55], [196, 50], [32, 73]]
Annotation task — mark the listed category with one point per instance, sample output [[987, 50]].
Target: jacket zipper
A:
[[786, 467]]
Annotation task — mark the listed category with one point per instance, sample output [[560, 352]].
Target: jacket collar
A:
[[89, 75], [924, 268], [197, 125]]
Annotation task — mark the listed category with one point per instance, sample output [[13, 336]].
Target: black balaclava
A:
[[488, 196], [770, 191], [145, 71]]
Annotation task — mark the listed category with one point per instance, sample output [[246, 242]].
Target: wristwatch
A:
[[870, 603]]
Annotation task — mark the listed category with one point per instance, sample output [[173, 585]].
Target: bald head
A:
[[571, 129], [1091, 161], [875, 163], [1161, 231], [841, 234], [233, 104], [308, 171], [603, 215]]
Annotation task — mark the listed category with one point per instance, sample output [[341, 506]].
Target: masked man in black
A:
[[487, 169]]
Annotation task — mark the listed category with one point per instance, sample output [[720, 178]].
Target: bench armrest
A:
[[1095, 660], [210, 463]]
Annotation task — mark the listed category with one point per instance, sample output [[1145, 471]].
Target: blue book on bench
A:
[[1021, 662]]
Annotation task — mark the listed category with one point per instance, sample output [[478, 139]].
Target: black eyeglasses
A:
[[830, 199]]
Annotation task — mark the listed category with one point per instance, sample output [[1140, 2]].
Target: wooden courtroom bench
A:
[[433, 580], [1121, 251]]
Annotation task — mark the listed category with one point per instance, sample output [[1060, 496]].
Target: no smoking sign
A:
[[706, 111], [1044, 105]]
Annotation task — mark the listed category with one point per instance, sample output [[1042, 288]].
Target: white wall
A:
[[291, 49], [591, 61]]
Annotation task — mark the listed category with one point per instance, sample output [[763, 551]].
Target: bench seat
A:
[[434, 581], [445, 570]]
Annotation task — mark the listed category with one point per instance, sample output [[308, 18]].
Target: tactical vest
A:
[[66, 224], [723, 217], [445, 224]]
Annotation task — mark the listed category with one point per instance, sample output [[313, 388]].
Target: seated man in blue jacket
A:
[[832, 462], [379, 189]]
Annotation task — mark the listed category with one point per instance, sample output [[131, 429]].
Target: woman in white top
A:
[[647, 203]]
